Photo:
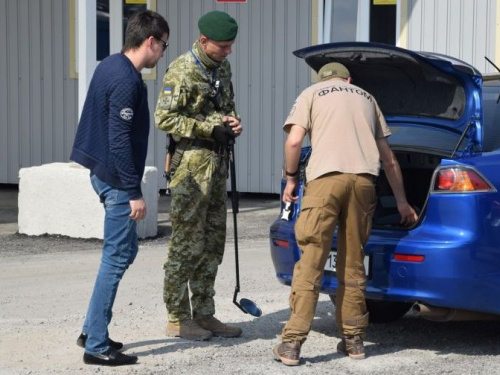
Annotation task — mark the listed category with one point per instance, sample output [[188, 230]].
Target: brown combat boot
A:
[[189, 330], [288, 353], [214, 325], [352, 346]]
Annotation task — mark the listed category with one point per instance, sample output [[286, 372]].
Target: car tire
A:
[[383, 311]]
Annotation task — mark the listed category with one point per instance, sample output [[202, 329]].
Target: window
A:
[[128, 7], [111, 21], [383, 21], [359, 20], [102, 42], [344, 20]]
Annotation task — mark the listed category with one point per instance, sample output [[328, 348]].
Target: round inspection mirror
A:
[[250, 307]]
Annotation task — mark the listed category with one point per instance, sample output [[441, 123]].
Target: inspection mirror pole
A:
[[245, 305]]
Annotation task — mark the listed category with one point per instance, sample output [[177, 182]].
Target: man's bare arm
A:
[[395, 178]]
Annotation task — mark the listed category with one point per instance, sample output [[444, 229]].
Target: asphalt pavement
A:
[[46, 281]]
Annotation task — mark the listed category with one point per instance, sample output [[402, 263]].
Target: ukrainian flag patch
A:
[[166, 98]]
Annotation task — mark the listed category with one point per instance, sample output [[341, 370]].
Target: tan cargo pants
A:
[[346, 200]]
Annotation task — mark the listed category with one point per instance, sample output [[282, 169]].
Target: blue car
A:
[[447, 265]]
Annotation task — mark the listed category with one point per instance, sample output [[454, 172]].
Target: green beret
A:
[[218, 26]]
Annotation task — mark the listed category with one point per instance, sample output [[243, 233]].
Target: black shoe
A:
[[110, 357], [82, 339]]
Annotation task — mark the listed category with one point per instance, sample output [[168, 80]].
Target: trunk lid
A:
[[430, 101]]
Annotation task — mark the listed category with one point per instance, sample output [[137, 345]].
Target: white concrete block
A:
[[58, 198], [148, 227]]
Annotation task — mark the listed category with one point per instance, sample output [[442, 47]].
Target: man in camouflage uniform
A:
[[194, 105]]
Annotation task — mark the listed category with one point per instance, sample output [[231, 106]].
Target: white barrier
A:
[[58, 198]]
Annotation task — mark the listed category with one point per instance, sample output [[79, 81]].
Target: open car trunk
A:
[[417, 169], [428, 99], [432, 103]]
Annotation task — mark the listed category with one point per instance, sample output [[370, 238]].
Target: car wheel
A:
[[383, 311]]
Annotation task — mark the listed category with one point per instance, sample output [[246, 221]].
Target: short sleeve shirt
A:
[[343, 122]]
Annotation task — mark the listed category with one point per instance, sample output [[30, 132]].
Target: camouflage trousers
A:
[[196, 248], [346, 200]]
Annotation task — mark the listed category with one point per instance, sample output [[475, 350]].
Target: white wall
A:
[[465, 29], [39, 99]]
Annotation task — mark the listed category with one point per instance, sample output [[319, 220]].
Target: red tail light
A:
[[460, 179], [409, 258], [281, 243]]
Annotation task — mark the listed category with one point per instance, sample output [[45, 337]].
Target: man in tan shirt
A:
[[348, 137]]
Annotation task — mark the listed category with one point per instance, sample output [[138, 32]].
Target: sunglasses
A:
[[164, 44]]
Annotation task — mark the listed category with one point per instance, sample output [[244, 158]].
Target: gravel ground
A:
[[46, 283]]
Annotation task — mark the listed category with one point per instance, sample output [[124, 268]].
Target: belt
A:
[[209, 145]]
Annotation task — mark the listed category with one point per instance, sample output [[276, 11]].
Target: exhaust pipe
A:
[[445, 314]]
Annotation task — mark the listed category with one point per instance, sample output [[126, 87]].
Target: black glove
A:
[[222, 134]]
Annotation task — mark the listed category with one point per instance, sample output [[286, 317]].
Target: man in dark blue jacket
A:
[[111, 141]]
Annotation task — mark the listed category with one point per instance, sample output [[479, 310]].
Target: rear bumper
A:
[[458, 271]]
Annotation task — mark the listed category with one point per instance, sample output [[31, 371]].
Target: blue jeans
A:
[[118, 252]]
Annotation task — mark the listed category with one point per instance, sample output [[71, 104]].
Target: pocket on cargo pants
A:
[[308, 227], [314, 231]]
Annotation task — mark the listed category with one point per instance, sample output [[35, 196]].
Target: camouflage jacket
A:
[[184, 108]]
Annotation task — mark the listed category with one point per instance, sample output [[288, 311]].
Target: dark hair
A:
[[141, 26]]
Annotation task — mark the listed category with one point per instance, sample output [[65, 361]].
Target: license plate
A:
[[331, 263]]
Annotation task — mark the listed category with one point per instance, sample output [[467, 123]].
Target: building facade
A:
[[42, 87]]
